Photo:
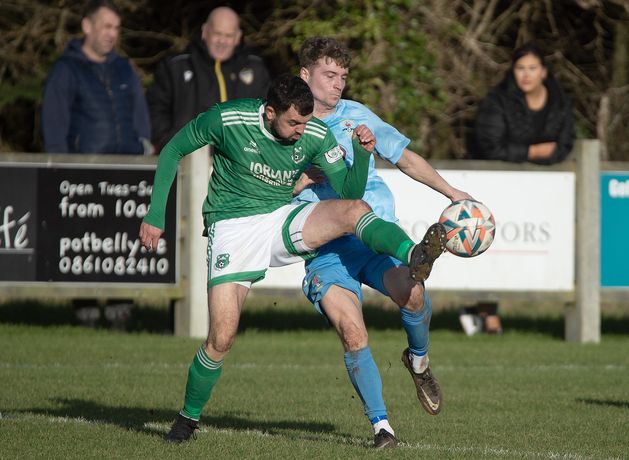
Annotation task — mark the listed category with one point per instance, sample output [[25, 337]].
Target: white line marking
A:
[[318, 437], [300, 367]]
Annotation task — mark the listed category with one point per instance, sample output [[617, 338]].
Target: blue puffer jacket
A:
[[91, 107]]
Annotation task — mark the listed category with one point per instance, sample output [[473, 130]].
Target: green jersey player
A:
[[261, 148]]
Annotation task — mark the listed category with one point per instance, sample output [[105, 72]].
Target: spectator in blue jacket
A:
[[94, 103], [93, 99]]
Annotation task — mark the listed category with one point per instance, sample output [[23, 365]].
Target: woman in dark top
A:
[[527, 117]]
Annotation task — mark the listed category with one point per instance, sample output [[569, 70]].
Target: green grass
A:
[[71, 392]]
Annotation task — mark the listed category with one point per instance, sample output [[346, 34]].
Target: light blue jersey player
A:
[[346, 262], [333, 279], [390, 146]]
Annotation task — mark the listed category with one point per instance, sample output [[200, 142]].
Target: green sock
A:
[[202, 376], [384, 237]]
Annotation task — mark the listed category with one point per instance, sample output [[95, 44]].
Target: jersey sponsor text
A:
[[271, 176]]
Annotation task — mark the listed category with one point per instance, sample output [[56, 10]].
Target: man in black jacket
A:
[[215, 67]]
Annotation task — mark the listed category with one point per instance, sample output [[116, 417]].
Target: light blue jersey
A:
[[346, 261], [390, 144]]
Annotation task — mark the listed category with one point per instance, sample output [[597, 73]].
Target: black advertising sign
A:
[[80, 224], [18, 223]]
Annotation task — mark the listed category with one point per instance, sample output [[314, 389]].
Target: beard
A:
[[273, 128]]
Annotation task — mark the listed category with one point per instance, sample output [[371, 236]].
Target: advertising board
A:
[[79, 223]]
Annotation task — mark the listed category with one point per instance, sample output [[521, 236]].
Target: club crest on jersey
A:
[[298, 154], [334, 155], [348, 127], [222, 261], [251, 148], [315, 284]]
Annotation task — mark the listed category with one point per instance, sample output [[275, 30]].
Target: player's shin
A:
[[384, 237], [417, 324], [365, 377], [202, 376]]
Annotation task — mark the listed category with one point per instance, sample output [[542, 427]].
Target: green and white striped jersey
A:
[[254, 172]]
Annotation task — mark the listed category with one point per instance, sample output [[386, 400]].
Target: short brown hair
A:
[[92, 6], [316, 48]]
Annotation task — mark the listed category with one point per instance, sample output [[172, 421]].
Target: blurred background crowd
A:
[[423, 65]]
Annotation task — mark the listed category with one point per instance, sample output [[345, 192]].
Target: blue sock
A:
[[365, 377], [417, 325]]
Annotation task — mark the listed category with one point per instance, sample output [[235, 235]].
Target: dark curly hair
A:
[[287, 90]]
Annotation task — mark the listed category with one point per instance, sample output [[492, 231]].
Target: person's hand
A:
[[309, 177], [149, 236], [458, 195], [365, 137], [541, 151]]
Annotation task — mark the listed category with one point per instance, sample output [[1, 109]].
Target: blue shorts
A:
[[345, 262]]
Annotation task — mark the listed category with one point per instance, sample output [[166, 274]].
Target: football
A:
[[470, 228]]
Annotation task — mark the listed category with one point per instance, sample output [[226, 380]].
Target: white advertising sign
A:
[[534, 244]]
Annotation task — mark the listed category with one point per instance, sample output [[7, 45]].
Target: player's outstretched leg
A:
[[428, 389], [183, 428], [426, 252]]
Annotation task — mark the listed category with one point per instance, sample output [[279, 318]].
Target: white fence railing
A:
[[547, 244]]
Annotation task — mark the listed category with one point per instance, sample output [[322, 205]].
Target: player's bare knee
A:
[[416, 299], [221, 343], [360, 207], [354, 344], [354, 337], [355, 210]]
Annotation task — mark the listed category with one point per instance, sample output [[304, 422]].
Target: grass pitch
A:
[[72, 392]]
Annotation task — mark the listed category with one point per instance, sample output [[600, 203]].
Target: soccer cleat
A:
[[428, 390], [182, 429], [426, 252], [384, 440]]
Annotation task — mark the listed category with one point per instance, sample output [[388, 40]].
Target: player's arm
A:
[[310, 176], [197, 133], [415, 167], [349, 183]]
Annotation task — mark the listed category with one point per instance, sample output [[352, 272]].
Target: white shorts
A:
[[241, 250]]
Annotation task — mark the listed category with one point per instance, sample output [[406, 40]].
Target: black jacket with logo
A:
[[505, 126], [186, 84]]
